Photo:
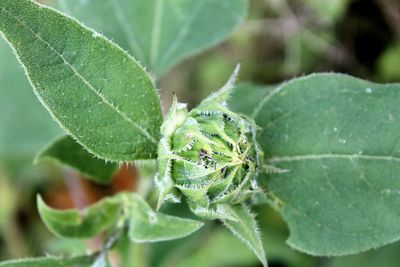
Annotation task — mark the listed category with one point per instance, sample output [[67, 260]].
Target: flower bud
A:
[[209, 155]]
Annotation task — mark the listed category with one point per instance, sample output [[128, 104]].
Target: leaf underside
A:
[[148, 226], [98, 93], [81, 224], [67, 151], [338, 137], [160, 33]]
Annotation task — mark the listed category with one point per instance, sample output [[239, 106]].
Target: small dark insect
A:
[[223, 171], [226, 117], [203, 155]]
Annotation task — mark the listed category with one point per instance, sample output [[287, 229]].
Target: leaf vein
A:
[[80, 77]]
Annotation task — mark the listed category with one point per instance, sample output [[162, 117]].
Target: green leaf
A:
[[81, 224], [25, 124], [82, 261], [160, 33], [246, 96], [220, 249], [96, 91], [148, 226], [246, 229], [67, 151], [388, 66], [384, 257], [338, 138]]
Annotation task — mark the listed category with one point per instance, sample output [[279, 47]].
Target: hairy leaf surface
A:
[[96, 91], [81, 224], [338, 137], [147, 225], [160, 33], [67, 151], [82, 261]]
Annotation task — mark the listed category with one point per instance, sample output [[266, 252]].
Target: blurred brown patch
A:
[[79, 192]]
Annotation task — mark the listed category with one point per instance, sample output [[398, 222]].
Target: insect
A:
[[205, 158]]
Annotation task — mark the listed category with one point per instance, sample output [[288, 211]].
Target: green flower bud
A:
[[209, 155]]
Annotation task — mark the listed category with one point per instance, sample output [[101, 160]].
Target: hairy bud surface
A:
[[209, 155]]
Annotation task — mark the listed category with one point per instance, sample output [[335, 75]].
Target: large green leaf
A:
[[82, 261], [338, 137], [220, 248], [246, 229], [24, 125], [147, 225], [81, 224], [383, 257], [66, 150], [160, 33], [96, 91]]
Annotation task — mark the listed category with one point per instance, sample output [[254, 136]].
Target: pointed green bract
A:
[[337, 138], [147, 225], [96, 91], [81, 224], [160, 33], [66, 150], [82, 261], [246, 229]]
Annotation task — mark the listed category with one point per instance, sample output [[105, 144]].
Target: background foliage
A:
[[279, 40]]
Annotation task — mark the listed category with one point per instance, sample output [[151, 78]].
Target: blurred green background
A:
[[280, 39]]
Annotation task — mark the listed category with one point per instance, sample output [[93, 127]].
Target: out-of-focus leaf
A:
[[274, 233], [148, 226], [387, 256], [389, 64], [81, 224], [160, 33], [66, 150], [8, 200], [330, 10], [337, 136], [96, 91], [220, 249], [249, 95], [83, 261]]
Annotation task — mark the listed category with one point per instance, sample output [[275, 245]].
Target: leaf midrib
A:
[[80, 77]]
